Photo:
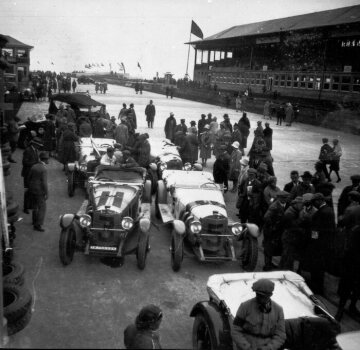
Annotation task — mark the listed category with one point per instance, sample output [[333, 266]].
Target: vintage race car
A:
[[193, 198], [114, 221], [308, 323], [90, 152]]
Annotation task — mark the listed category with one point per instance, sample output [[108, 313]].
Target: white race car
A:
[[194, 206]]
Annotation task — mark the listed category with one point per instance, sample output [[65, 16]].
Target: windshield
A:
[[117, 174]]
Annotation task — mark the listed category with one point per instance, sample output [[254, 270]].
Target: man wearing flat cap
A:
[[259, 322], [273, 229], [322, 234], [349, 285], [303, 187], [344, 199]]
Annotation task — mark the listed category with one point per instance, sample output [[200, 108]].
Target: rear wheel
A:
[[177, 251], [249, 253], [202, 336], [67, 245], [71, 183], [142, 250]]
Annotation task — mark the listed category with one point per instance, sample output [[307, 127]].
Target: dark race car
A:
[[115, 221], [308, 324], [196, 201]]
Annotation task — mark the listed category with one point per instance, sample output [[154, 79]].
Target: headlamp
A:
[[195, 226], [85, 220], [236, 229], [127, 223]]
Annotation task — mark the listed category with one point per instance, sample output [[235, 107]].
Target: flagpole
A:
[[187, 63]]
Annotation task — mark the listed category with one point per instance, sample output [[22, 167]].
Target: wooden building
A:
[[17, 54], [315, 55]]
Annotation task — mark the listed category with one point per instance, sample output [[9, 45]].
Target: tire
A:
[[13, 218], [202, 336], [67, 245], [177, 251], [142, 250], [147, 192], [20, 324], [161, 197], [249, 254], [12, 208], [71, 184], [13, 274], [17, 302]]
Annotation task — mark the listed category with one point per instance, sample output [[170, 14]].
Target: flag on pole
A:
[[123, 67], [139, 66], [195, 29], [110, 65], [52, 63]]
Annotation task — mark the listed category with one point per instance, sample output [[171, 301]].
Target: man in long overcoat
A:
[[150, 114], [38, 190], [170, 126]]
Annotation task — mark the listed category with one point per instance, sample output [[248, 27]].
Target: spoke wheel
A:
[[202, 337], [67, 245]]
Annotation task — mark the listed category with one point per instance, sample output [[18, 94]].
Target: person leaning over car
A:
[[108, 158], [259, 322]]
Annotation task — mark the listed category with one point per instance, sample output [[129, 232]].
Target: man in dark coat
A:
[[131, 115], [227, 123], [143, 150], [194, 144], [185, 149], [99, 130], [273, 229], [221, 168], [268, 133], [201, 124], [344, 199], [38, 190], [123, 111], [324, 156], [181, 127], [170, 126], [244, 127], [30, 157], [304, 187], [349, 285], [294, 176], [322, 234], [85, 129], [150, 114]]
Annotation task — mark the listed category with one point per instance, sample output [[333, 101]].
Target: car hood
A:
[[116, 197], [207, 201]]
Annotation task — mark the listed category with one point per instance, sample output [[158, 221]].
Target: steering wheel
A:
[[103, 145], [104, 179], [208, 184]]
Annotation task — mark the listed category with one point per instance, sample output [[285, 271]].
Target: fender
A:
[[217, 320], [179, 227], [71, 166], [144, 224], [253, 230], [152, 167], [66, 220]]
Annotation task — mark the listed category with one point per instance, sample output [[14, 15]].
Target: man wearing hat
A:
[[235, 165], [128, 161], [30, 157], [181, 127], [294, 176], [303, 187], [325, 156], [150, 114], [268, 134], [259, 322], [200, 125], [322, 234], [38, 191], [344, 199], [143, 333], [221, 168], [273, 229], [349, 285], [205, 145], [193, 142], [170, 126]]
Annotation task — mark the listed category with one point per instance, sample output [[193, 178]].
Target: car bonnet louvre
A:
[[103, 198]]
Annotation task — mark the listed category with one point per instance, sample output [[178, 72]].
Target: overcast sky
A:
[[72, 33]]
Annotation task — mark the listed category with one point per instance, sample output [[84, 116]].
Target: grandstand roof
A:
[[12, 42], [343, 15]]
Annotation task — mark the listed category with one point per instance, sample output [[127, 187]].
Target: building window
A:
[[276, 80], [229, 54], [20, 73], [21, 53], [282, 80], [296, 81], [345, 83], [7, 52], [356, 84], [317, 83], [205, 56], [217, 55], [311, 83], [327, 81], [335, 84], [222, 55], [303, 81], [289, 81]]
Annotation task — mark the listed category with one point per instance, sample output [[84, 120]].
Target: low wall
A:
[[322, 113]]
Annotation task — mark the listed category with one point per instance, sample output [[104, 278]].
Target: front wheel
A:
[[67, 245], [249, 253], [177, 251], [142, 250], [202, 336], [71, 183]]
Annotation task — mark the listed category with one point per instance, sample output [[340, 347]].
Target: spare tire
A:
[[17, 302], [13, 273], [19, 324]]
